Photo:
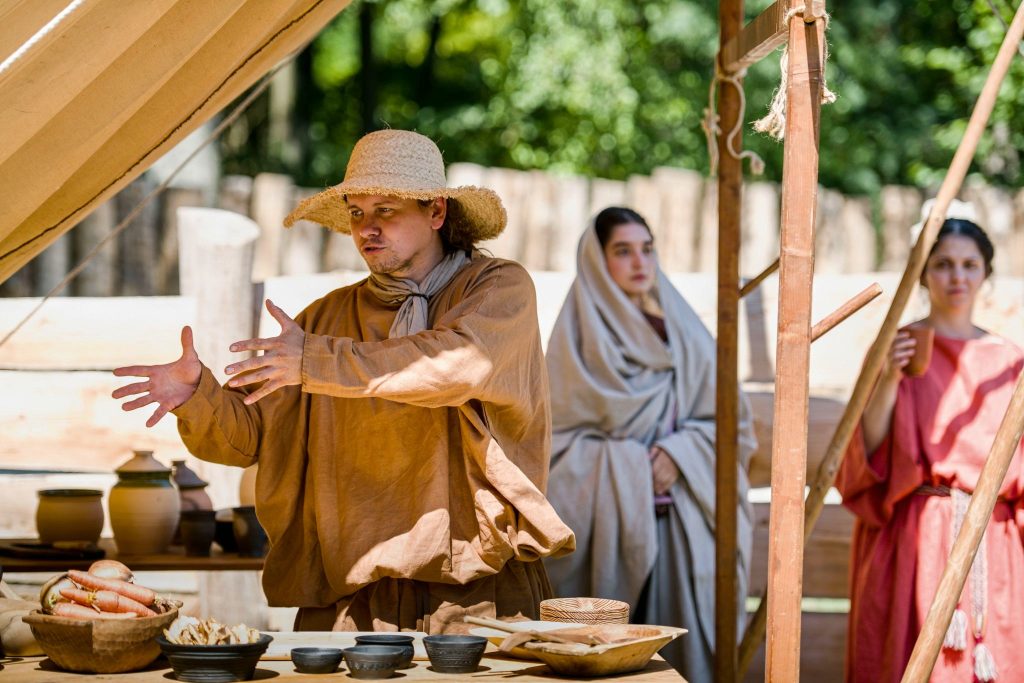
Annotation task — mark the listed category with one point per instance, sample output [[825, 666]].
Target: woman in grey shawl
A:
[[632, 373]]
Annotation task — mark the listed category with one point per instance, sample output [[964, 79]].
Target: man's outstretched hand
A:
[[169, 385], [279, 366]]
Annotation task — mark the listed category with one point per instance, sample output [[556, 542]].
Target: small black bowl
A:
[[393, 640], [214, 663], [316, 660], [373, 661], [453, 654]]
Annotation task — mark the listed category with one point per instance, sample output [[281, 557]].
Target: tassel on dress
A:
[[984, 664], [956, 634]]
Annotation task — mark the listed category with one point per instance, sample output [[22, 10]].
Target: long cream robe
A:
[[421, 457], [617, 390]]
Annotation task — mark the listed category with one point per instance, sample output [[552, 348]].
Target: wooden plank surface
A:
[[173, 559], [826, 557], [492, 667], [822, 650]]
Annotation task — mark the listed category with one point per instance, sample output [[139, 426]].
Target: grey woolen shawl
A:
[[616, 390]]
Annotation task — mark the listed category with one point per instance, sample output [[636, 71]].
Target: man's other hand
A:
[[281, 362], [169, 385]]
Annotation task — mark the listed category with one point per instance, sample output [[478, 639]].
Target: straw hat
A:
[[401, 163]]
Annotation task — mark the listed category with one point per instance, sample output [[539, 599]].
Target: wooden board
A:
[[492, 667], [285, 641], [822, 648], [826, 556]]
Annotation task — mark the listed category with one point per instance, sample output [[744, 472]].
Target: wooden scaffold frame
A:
[[800, 24]]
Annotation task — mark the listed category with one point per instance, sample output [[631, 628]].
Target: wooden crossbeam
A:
[[845, 311], [760, 37]]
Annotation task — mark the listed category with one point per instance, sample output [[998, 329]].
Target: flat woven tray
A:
[[584, 611]]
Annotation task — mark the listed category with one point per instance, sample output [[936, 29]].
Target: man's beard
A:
[[387, 264]]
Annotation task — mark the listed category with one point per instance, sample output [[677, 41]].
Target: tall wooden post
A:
[[730, 197], [796, 271]]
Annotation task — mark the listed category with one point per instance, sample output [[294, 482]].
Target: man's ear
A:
[[438, 211]]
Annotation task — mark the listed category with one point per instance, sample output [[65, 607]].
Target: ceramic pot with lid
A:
[[191, 489], [144, 506]]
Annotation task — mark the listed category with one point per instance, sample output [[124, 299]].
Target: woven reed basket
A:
[[584, 611]]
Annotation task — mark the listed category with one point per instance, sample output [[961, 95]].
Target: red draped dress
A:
[[943, 425]]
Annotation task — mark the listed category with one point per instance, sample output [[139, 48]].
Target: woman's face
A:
[[954, 273], [629, 254]]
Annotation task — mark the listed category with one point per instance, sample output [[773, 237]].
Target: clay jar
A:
[[191, 489], [69, 515], [144, 506]]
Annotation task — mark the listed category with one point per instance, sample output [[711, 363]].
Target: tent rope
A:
[[774, 122], [156, 192], [40, 34], [712, 129]]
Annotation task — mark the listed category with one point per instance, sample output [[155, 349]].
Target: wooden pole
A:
[[730, 197], [845, 311], [796, 271], [961, 557], [759, 278], [826, 474]]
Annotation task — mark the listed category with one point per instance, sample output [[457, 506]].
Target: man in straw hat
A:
[[401, 424]]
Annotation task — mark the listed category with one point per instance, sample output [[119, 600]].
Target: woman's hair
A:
[[612, 217], [971, 230]]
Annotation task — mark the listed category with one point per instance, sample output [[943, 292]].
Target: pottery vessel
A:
[[191, 488], [144, 506], [69, 515], [249, 534]]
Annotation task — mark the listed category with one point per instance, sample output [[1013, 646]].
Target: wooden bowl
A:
[[630, 649], [103, 646]]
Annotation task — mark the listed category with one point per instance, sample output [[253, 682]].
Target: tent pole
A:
[[958, 168], [796, 272], [730, 197]]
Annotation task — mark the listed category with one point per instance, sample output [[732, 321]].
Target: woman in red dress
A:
[[908, 476]]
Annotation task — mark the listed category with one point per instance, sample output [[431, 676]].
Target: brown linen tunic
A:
[[419, 458]]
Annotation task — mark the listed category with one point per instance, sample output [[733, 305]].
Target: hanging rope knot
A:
[[712, 130], [774, 122]]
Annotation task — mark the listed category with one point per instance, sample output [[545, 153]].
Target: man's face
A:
[[395, 236]]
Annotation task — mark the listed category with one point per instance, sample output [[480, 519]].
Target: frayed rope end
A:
[[956, 634], [984, 664]]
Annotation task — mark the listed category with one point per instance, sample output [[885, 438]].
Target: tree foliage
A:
[[616, 87]]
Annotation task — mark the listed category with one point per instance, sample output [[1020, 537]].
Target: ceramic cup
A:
[[197, 531], [924, 336], [250, 536]]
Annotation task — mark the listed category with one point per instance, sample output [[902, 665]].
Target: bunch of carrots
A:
[[107, 591]]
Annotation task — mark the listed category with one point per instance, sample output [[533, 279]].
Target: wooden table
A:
[[173, 559], [493, 667]]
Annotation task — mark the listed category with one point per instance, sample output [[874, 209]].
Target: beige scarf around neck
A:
[[412, 315]]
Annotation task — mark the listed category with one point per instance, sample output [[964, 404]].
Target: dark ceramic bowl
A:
[[316, 660], [455, 654], [393, 640], [373, 661], [214, 663]]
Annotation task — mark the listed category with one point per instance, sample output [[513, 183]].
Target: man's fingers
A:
[[279, 315], [139, 402], [135, 371], [247, 365], [265, 390], [188, 346], [130, 389], [254, 344], [157, 416], [251, 377]]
